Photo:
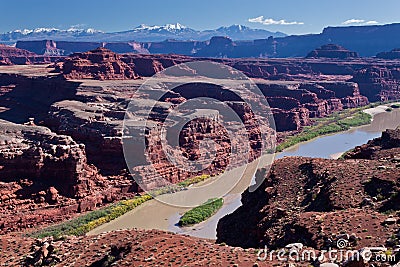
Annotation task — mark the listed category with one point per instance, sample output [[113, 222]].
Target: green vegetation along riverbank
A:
[[90, 220], [202, 212], [337, 122]]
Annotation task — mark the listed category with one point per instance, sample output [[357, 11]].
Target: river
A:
[[155, 214]]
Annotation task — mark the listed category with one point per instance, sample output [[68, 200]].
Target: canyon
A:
[[85, 96], [62, 133]]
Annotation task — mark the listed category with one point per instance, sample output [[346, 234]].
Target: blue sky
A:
[[289, 16]]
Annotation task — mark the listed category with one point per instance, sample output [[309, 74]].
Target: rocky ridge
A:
[[353, 199]]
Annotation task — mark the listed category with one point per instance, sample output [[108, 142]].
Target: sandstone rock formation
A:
[[379, 83], [295, 103], [35, 153], [40, 168], [96, 119], [332, 51], [99, 64]]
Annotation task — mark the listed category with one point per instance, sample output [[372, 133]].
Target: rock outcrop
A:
[[39, 170], [37, 154], [96, 119], [332, 51], [354, 199], [101, 64]]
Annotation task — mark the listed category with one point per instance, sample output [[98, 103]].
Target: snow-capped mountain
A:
[[141, 33], [55, 30], [177, 27], [240, 32], [49, 33]]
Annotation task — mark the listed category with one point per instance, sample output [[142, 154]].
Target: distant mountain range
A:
[[142, 33], [232, 42]]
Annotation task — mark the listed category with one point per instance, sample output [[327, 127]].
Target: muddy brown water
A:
[[155, 214]]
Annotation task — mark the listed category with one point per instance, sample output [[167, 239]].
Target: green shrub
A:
[[395, 106], [202, 212]]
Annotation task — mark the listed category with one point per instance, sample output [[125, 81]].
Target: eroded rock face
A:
[[91, 112], [332, 51], [40, 168], [295, 103], [11, 55], [95, 125], [379, 83], [45, 171], [96, 119], [318, 201], [375, 79], [37, 154], [99, 64]]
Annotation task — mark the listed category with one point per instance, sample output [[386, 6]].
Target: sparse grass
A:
[[337, 122], [202, 212], [91, 220]]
